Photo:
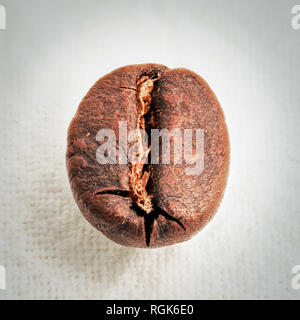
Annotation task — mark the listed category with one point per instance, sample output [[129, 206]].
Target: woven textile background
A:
[[52, 52]]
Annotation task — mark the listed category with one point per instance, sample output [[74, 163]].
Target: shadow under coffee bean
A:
[[148, 202]]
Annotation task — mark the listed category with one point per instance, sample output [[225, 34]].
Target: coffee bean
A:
[[160, 196]]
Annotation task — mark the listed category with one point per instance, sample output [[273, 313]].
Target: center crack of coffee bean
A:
[[138, 177]]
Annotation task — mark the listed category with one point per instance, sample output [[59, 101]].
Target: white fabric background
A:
[[53, 51]]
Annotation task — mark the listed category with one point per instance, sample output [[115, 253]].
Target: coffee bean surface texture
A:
[[137, 192]]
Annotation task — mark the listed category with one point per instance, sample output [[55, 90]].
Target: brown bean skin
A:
[[185, 203]]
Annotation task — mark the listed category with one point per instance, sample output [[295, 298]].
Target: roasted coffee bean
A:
[[148, 202]]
